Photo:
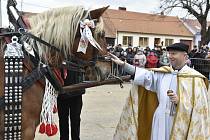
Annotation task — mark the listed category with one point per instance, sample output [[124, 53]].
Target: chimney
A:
[[122, 8]]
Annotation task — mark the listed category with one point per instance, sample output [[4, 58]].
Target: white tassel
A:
[[48, 103]]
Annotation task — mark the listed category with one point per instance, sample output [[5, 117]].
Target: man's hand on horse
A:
[[116, 59]]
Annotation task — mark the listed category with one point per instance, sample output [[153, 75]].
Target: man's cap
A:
[[178, 47]]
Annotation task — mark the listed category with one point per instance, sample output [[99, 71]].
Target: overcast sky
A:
[[145, 6]]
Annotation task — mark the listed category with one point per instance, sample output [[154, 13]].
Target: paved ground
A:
[[102, 107]]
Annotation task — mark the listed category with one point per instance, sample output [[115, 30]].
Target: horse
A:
[[61, 28]]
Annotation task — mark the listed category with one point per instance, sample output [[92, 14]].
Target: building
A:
[[141, 29], [194, 26]]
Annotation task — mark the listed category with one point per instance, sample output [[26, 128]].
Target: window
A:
[[168, 42], [157, 42], [127, 40], [143, 41]]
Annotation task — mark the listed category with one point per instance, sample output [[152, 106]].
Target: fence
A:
[[201, 65]]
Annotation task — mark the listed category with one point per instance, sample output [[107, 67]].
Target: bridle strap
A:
[[23, 32]]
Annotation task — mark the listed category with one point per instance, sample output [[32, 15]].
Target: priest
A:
[[167, 103]]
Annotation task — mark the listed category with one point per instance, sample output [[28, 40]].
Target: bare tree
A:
[[198, 8]]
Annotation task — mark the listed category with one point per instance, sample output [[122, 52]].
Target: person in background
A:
[[193, 51], [110, 49], [140, 59], [118, 51], [164, 60], [147, 51], [203, 51], [135, 50], [158, 51], [70, 106], [152, 60], [130, 55]]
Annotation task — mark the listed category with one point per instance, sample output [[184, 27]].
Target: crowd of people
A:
[[200, 59], [141, 57], [199, 52]]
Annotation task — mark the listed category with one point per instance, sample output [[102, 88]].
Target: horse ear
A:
[[97, 13]]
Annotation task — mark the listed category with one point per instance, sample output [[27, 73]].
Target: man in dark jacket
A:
[[70, 104]]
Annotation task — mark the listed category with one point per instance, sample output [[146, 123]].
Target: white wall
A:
[[119, 38], [197, 36], [197, 39]]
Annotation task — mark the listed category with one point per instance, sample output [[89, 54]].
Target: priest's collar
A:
[[179, 68]]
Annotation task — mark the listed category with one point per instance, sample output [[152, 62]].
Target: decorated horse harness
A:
[[15, 52]]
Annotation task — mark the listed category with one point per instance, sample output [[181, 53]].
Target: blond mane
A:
[[58, 27]]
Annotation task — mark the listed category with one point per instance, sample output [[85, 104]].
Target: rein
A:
[[23, 32]]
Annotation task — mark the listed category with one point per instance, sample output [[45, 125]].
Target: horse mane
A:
[[58, 27]]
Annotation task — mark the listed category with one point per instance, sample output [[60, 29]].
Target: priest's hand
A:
[[116, 59], [173, 97]]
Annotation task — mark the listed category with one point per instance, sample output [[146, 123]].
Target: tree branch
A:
[[197, 8], [191, 10], [207, 8]]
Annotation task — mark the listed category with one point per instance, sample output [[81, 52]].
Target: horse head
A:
[[64, 29]]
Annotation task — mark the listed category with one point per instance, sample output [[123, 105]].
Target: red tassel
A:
[[55, 110], [42, 128], [54, 129], [48, 130]]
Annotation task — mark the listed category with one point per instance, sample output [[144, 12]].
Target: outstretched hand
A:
[[116, 59]]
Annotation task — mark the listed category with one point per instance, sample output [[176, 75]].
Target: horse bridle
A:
[[19, 24], [73, 63]]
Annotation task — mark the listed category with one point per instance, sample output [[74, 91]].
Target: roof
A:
[[127, 21], [194, 24]]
